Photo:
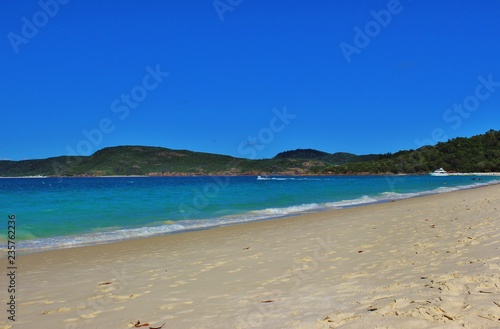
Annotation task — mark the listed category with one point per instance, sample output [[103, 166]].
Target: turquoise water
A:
[[54, 213]]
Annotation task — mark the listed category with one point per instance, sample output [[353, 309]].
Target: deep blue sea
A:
[[54, 213]]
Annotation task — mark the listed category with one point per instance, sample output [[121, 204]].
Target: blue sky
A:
[[246, 78]]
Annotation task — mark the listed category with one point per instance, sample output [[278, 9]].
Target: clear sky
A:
[[247, 78]]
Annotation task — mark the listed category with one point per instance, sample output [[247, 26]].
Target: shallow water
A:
[[53, 213]]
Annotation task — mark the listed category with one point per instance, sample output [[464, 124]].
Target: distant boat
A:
[[439, 172], [265, 177]]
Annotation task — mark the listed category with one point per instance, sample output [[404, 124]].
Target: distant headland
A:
[[478, 154]]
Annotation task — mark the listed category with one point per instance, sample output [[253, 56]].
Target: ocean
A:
[[55, 213]]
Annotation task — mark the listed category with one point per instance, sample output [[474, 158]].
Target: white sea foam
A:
[[286, 210], [351, 203]]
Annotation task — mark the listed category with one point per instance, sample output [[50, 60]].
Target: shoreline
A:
[[425, 262], [107, 237], [488, 174]]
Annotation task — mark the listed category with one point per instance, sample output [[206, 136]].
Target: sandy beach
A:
[[427, 262]]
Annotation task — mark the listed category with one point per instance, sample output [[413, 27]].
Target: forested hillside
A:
[[475, 154]]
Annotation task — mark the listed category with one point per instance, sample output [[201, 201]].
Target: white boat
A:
[[263, 177], [439, 172]]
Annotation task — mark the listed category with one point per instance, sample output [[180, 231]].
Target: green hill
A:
[[479, 153], [44, 167], [301, 154], [334, 158], [158, 161], [142, 160], [475, 154]]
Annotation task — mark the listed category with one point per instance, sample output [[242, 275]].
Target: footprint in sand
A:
[[365, 246], [124, 297], [339, 319], [90, 315], [71, 319], [304, 260], [59, 310], [224, 296], [354, 275], [178, 284], [194, 263], [172, 306]]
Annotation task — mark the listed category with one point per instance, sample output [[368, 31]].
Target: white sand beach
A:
[[427, 262]]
